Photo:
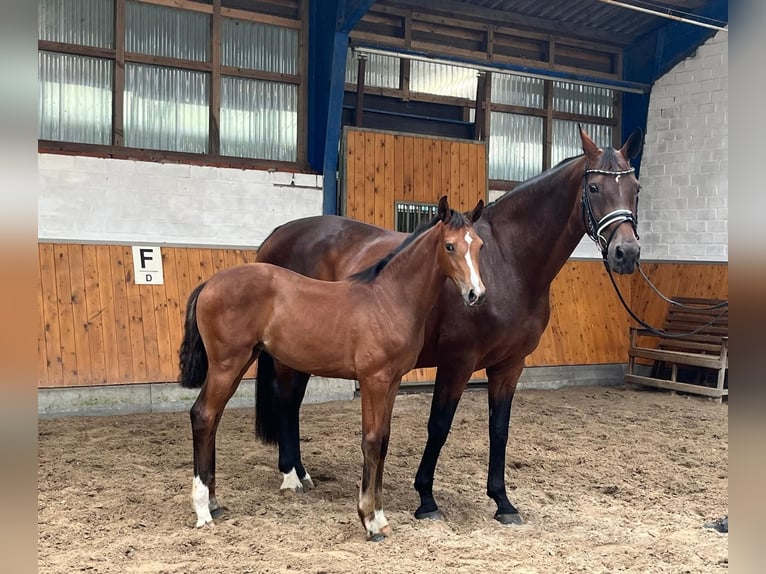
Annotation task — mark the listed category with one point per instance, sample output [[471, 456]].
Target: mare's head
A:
[[610, 200], [459, 251]]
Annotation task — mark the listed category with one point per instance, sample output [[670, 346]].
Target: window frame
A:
[[119, 56]]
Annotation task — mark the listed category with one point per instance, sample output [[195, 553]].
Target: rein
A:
[[595, 227]]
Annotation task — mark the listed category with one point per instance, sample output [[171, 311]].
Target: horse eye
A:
[[450, 247], [593, 188]]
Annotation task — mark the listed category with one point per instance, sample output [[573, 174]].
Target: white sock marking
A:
[[290, 481], [201, 500], [378, 522]]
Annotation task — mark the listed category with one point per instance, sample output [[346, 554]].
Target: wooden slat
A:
[[389, 191], [79, 314], [369, 177], [94, 315], [112, 372], [379, 213], [50, 312], [419, 193], [676, 386], [66, 316], [42, 355], [135, 317]]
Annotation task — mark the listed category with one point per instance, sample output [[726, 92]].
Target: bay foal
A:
[[369, 327]]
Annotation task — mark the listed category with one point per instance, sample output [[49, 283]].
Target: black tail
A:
[[266, 419], [192, 355]]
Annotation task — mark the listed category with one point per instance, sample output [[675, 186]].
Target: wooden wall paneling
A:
[[454, 163], [135, 316], [464, 164], [437, 185], [51, 334], [94, 308], [122, 317], [408, 192], [369, 177], [428, 171], [399, 192], [419, 192], [66, 318], [473, 177], [79, 313], [389, 189], [379, 214], [42, 355], [112, 372], [174, 315]]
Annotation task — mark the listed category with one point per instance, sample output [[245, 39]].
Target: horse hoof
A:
[[429, 515], [308, 484], [290, 492], [510, 518], [201, 523], [217, 512], [378, 537], [386, 530]]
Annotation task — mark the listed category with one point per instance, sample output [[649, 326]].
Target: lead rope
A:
[[594, 229]]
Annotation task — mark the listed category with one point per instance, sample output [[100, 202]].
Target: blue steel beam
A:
[[330, 22]]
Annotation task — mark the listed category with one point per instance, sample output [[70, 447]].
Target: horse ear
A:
[[633, 146], [444, 210], [588, 145], [477, 211]]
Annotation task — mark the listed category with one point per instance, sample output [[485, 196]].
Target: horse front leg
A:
[[205, 416], [377, 398], [448, 388], [501, 389]]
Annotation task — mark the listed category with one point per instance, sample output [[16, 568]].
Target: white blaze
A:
[[474, 276]]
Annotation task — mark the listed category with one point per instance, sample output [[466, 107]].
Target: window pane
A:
[[74, 98], [259, 46], [161, 31], [443, 79], [585, 100], [166, 108], [381, 71], [515, 146], [517, 90], [83, 22], [258, 119], [567, 142]]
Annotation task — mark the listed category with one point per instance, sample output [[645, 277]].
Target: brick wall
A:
[[86, 199], [683, 210]]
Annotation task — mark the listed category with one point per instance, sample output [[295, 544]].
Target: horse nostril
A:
[[619, 253], [472, 296]]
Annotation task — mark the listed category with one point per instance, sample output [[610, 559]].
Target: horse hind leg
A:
[[221, 383], [291, 388]]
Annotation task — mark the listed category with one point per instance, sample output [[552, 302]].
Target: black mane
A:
[[456, 221]]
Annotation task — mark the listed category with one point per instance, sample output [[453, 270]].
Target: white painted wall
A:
[[683, 207], [85, 199]]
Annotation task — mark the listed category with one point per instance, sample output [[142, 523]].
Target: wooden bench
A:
[[697, 356]]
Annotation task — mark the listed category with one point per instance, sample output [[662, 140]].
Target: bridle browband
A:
[[594, 228]]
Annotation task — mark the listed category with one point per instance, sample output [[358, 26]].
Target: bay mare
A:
[[529, 234], [369, 327]]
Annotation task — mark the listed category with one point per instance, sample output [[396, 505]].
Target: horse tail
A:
[[266, 420], [192, 355]]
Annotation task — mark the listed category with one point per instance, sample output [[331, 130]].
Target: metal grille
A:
[[410, 215]]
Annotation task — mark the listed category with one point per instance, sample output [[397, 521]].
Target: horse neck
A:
[[413, 276], [539, 224]]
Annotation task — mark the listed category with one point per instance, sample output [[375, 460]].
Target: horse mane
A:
[[608, 160], [456, 221]]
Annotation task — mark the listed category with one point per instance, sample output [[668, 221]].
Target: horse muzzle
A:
[[623, 255], [474, 297]]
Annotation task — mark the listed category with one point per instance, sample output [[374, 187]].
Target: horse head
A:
[[460, 253], [610, 199]]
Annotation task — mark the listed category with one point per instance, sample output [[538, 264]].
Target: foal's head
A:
[[459, 252], [610, 199]]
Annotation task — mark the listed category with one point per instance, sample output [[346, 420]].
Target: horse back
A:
[[327, 247]]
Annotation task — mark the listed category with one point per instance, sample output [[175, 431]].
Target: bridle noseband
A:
[[594, 228]]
